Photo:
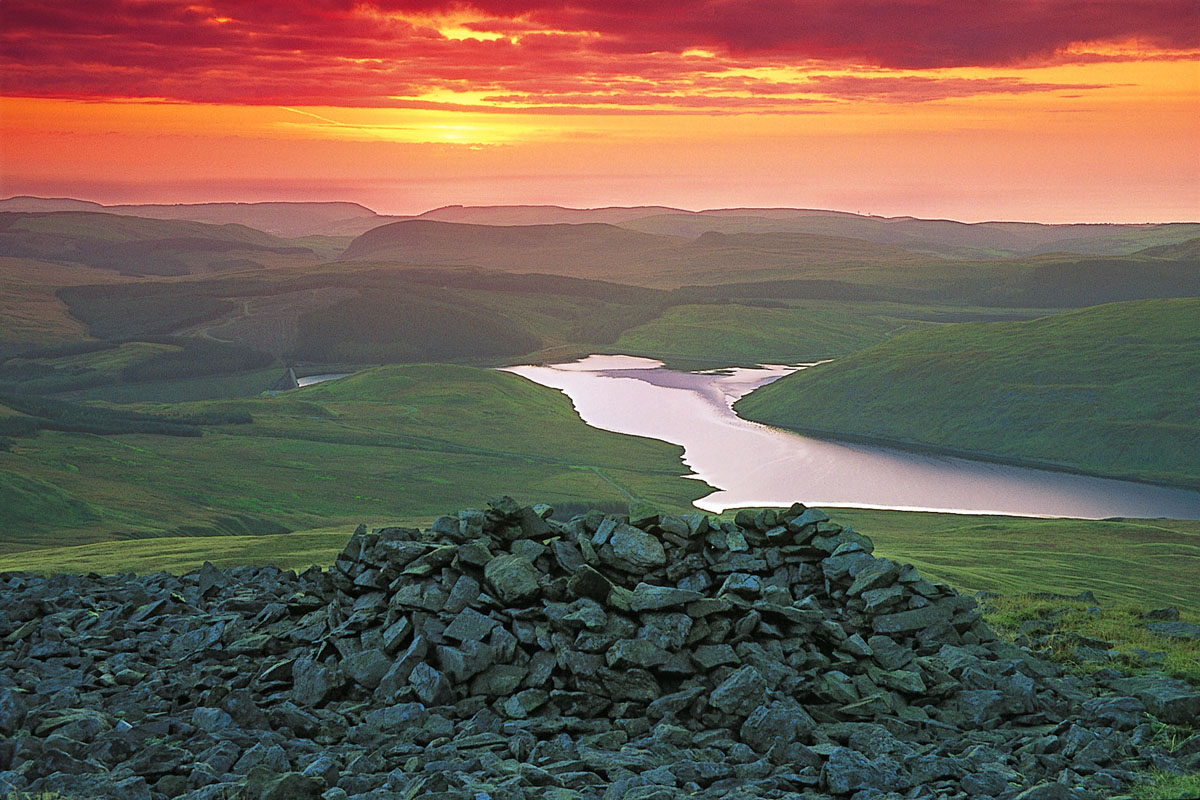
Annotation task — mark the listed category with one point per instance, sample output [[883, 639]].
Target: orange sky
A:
[[1052, 111]]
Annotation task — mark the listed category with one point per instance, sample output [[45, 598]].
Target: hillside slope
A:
[[138, 246], [589, 250], [385, 443], [1110, 390], [279, 218], [608, 252], [941, 237]]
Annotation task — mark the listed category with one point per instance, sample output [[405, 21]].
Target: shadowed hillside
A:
[[943, 238], [281, 219], [137, 246], [591, 250]]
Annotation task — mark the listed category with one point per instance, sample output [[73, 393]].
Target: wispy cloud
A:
[[685, 56]]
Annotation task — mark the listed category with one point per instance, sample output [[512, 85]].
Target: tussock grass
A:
[[1165, 786], [1120, 626]]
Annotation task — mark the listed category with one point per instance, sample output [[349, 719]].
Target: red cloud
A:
[[627, 53]]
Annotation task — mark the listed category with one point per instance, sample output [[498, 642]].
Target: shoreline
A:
[[925, 448]]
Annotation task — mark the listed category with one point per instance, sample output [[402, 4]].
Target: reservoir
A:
[[749, 464], [312, 380]]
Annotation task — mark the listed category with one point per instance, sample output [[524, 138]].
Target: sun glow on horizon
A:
[[551, 103]]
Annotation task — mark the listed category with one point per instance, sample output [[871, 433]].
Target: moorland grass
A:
[[1109, 390], [394, 442], [180, 554], [729, 334], [1015, 555]]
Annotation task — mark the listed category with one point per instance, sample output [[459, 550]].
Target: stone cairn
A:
[[502, 654]]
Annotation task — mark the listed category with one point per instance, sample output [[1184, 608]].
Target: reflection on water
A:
[[311, 379], [755, 465]]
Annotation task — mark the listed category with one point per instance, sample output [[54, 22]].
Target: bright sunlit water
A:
[[313, 379], [749, 464]]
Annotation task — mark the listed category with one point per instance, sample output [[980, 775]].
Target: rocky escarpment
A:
[[505, 655]]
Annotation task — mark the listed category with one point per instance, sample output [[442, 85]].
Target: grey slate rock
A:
[[429, 685], [1175, 630], [586, 678], [1045, 791], [647, 597], [636, 551], [909, 621], [1171, 700], [847, 771], [470, 626], [367, 668], [315, 682], [740, 693], [514, 578], [776, 725]]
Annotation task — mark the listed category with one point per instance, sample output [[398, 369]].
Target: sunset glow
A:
[[1032, 110]]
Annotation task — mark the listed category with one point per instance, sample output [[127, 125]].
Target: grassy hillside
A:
[[844, 267], [590, 250], [31, 313], [181, 554], [370, 312], [939, 237], [1109, 390], [386, 443], [137, 246], [1011, 555], [734, 333], [608, 252]]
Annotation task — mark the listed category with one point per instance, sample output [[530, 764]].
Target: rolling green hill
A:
[[370, 313], [607, 252], [784, 262], [588, 250], [691, 336], [1110, 390], [394, 442], [137, 246]]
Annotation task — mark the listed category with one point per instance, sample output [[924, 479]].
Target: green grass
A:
[[217, 387], [384, 444], [723, 335], [30, 311], [1109, 390], [28, 502], [179, 554], [1165, 786], [1120, 626], [1016, 555]]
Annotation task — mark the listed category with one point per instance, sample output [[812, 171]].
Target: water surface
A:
[[312, 379], [749, 464]]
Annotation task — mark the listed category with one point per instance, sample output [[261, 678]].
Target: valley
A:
[[927, 350]]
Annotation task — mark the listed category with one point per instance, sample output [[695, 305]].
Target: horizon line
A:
[[668, 208]]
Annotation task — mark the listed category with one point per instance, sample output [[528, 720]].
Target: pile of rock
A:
[[503, 654]]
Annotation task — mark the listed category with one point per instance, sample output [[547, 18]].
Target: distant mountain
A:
[[608, 252], [935, 237], [543, 215], [280, 219], [942, 238], [138, 246], [592, 250], [42, 204]]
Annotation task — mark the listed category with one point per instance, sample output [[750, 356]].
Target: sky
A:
[[1047, 110]]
